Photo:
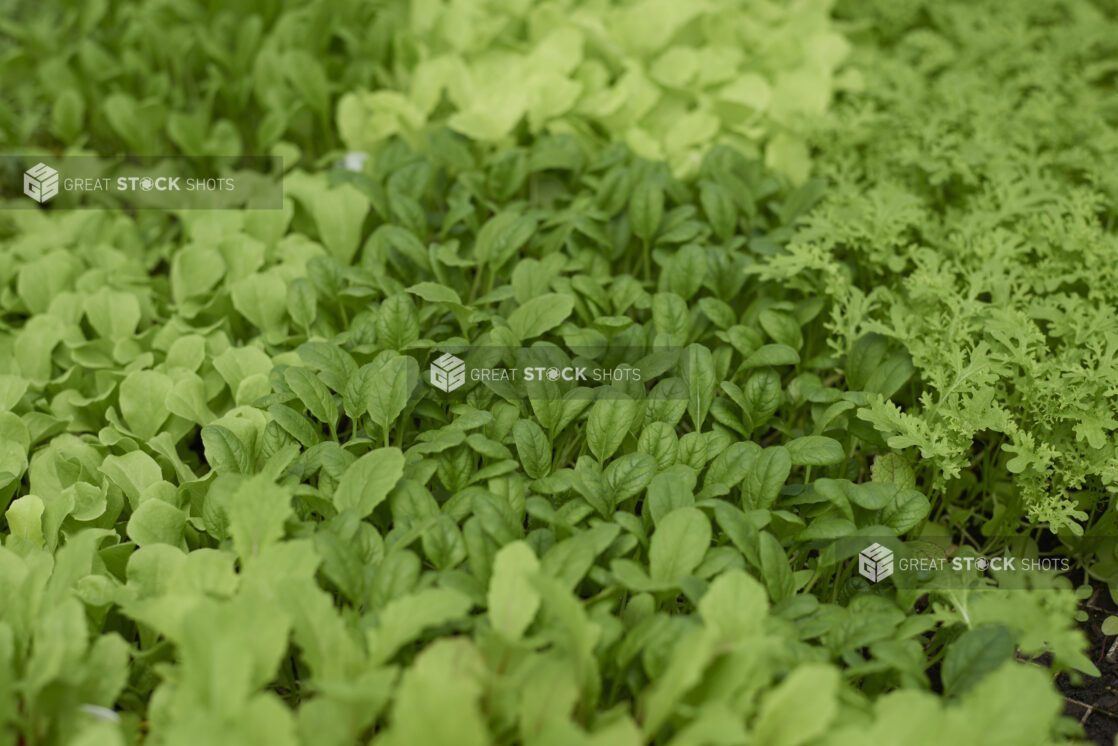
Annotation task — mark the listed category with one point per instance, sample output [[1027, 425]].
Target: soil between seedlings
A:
[[1094, 703]]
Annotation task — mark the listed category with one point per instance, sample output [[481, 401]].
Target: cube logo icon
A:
[[448, 373], [875, 563], [40, 182]]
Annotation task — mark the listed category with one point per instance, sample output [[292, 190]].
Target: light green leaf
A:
[[735, 605], [718, 204], [671, 489], [25, 519], [646, 209], [906, 509], [313, 393], [1015, 704], [775, 569], [302, 302], [368, 480], [679, 544], [690, 656], [388, 390], [261, 298], [433, 292], [512, 599], [767, 474], [776, 354], [698, 374], [608, 423], [132, 473], [540, 314], [438, 697], [397, 322], [15, 441], [782, 327], [628, 475], [406, 618], [114, 315], [976, 653], [501, 237], [67, 114], [339, 213], [801, 708], [156, 522], [671, 317], [533, 448], [894, 468], [815, 450], [686, 270], [12, 389], [143, 401], [224, 451], [257, 512]]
